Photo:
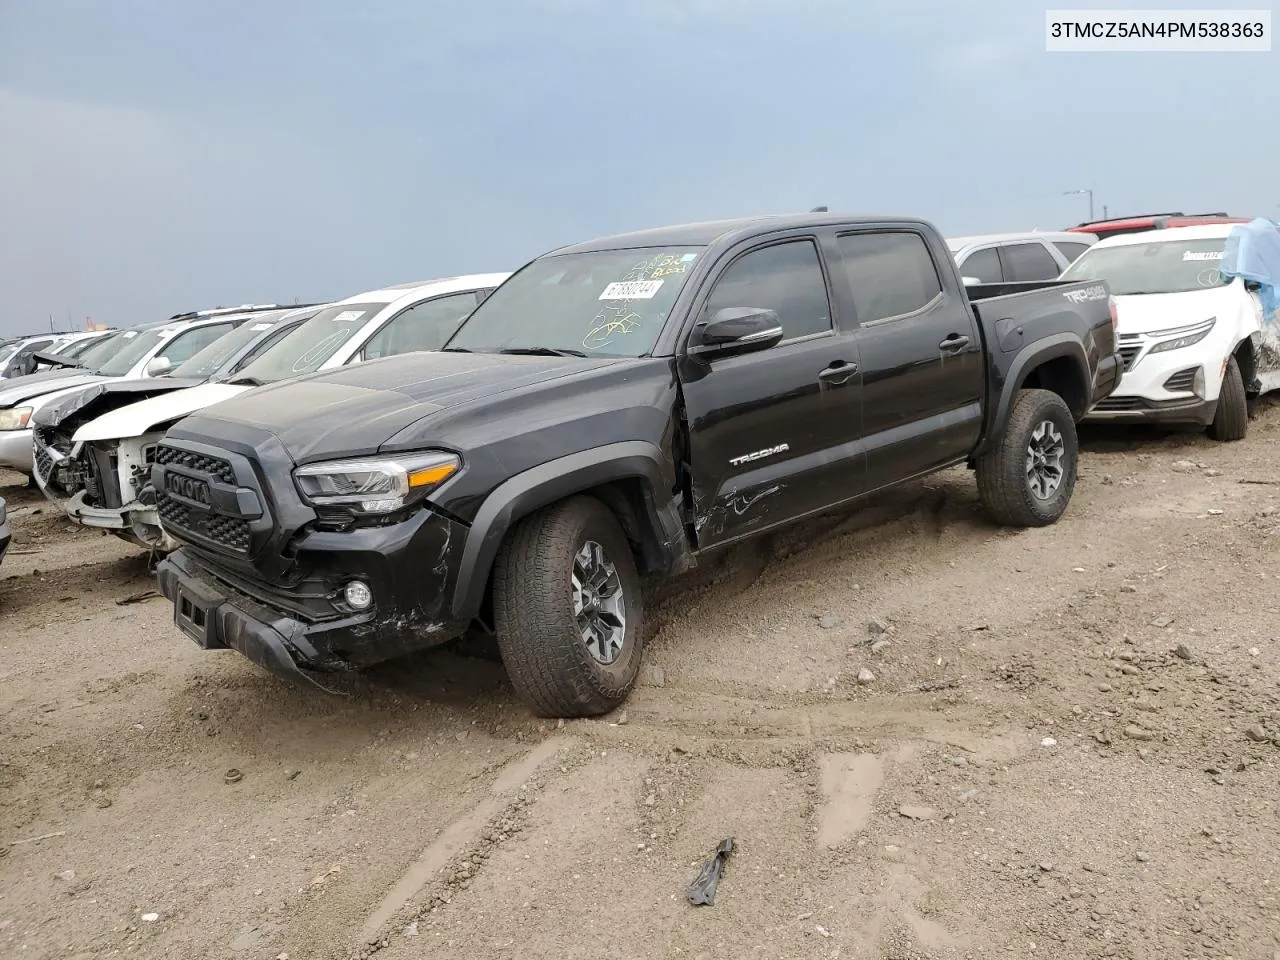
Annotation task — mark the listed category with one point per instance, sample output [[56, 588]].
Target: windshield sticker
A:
[[261, 326], [130, 334], [348, 316], [631, 290], [689, 258], [1202, 255]]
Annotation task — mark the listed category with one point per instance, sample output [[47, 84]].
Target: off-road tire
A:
[[1231, 421], [546, 659], [1003, 486]]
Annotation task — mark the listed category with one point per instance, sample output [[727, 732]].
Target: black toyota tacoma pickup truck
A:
[[617, 409]]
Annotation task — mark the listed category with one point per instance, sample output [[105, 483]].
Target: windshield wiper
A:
[[247, 382], [543, 352]]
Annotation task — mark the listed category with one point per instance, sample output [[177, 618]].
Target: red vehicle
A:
[[1152, 221]]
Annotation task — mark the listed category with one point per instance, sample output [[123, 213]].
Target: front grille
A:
[[229, 532], [171, 456], [232, 533], [44, 463], [1182, 382], [1128, 353]]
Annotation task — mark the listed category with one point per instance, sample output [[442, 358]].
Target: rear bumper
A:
[[15, 450]]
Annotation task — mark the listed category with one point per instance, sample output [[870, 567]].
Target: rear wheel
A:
[[1027, 479], [568, 610], [1231, 421]]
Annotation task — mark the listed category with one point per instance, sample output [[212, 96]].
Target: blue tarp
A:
[[1252, 251]]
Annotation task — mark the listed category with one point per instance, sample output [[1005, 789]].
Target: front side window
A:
[[1161, 266], [608, 303], [786, 278], [891, 273], [423, 326]]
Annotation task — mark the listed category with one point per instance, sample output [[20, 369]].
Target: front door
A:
[[774, 433]]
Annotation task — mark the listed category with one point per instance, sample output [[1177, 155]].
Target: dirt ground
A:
[[1068, 750]]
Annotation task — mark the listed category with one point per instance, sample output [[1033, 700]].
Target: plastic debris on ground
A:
[[702, 892]]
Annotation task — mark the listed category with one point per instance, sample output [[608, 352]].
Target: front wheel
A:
[[1027, 479], [1231, 421], [568, 611]]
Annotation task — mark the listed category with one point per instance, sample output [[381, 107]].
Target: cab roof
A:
[[390, 294], [705, 233]]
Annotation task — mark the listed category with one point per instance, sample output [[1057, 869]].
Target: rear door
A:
[[774, 434], [920, 349]]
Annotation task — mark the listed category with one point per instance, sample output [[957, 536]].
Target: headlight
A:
[[1182, 337], [376, 485], [15, 418]]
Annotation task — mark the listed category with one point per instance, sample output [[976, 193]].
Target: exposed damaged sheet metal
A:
[[1252, 252]]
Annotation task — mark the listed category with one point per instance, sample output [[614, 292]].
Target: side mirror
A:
[[159, 367], [971, 281], [736, 329]]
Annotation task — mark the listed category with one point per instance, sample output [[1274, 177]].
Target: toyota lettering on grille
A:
[[188, 488]]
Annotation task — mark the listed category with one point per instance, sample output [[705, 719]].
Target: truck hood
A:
[[354, 410], [1147, 313], [21, 389], [100, 422]]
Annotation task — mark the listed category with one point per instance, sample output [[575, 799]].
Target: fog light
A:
[[358, 595]]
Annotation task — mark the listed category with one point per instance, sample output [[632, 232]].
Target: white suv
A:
[[1194, 342]]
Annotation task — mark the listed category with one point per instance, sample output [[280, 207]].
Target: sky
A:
[[163, 157]]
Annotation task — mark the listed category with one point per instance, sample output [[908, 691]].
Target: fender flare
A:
[[545, 484], [1031, 356]]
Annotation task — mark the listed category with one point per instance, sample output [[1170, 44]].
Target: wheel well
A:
[[627, 500], [1062, 376], [1247, 361]]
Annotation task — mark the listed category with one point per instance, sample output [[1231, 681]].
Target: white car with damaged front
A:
[[1195, 343], [115, 450]]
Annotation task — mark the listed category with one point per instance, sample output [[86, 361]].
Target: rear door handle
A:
[[953, 343], [838, 373]]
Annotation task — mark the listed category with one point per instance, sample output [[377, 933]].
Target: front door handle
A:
[[838, 373], [953, 343]]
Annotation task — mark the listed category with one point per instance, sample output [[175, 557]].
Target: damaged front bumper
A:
[[88, 484], [306, 627]]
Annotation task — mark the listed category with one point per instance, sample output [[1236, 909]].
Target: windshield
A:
[[137, 345], [103, 349], [1158, 266], [204, 363], [608, 303], [8, 351], [310, 345], [73, 350]]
